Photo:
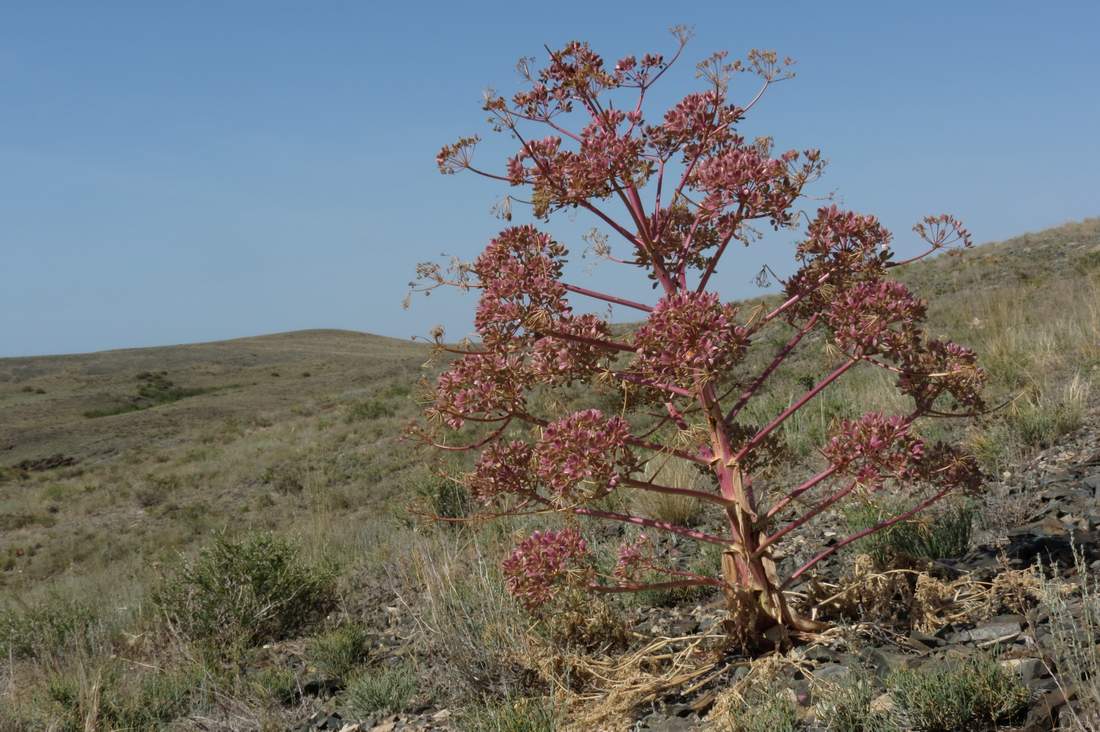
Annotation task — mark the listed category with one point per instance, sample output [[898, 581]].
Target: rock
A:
[[441, 716], [1029, 669], [832, 673], [1003, 629], [882, 704]]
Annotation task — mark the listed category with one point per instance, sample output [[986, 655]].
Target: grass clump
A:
[[1073, 636], [928, 538], [47, 628], [849, 707], [523, 715], [239, 594], [956, 696], [387, 690], [154, 388], [106, 697], [369, 410], [340, 650]]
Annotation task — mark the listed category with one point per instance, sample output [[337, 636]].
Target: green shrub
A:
[[523, 715], [238, 594], [337, 652], [275, 683], [444, 497], [49, 627], [847, 707], [381, 690], [110, 699], [1074, 629], [762, 712], [368, 410], [956, 696], [940, 535]]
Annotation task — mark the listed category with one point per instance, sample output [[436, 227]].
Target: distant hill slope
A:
[[44, 401], [243, 377]]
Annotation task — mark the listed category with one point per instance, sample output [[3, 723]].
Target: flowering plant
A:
[[682, 375]]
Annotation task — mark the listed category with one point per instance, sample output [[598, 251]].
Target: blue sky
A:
[[178, 172]]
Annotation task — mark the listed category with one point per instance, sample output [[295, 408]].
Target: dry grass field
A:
[[116, 468]]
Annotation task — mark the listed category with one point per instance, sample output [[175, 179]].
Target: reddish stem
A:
[[608, 298], [859, 535], [759, 436], [807, 485], [767, 372]]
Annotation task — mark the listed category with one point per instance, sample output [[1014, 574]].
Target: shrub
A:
[[942, 535], [848, 707], [386, 690], [275, 683], [238, 594], [1073, 636], [368, 410], [685, 376], [957, 695], [340, 650], [105, 697], [522, 715], [49, 627]]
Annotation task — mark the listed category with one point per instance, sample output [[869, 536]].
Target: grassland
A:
[[114, 465]]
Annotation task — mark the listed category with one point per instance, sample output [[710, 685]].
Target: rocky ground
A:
[[1036, 516]]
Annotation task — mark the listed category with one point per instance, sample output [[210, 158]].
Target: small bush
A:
[[339, 651], [275, 683], [368, 410], [1039, 422], [847, 708], [238, 594], [48, 628], [381, 690], [444, 497], [1073, 636], [957, 696], [524, 715], [107, 698], [765, 713], [942, 535]]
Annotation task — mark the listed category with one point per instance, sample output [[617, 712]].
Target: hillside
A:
[[115, 464], [45, 399]]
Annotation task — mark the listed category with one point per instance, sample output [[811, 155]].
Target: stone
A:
[[882, 704], [1029, 669], [1005, 628], [441, 716], [832, 673]]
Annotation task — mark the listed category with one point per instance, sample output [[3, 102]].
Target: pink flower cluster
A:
[[536, 568], [947, 466], [502, 468], [480, 386], [746, 179], [558, 360], [584, 455], [938, 368], [519, 273], [861, 317], [689, 339], [873, 447], [634, 558]]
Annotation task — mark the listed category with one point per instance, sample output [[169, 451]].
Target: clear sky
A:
[[177, 172]]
